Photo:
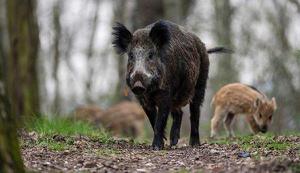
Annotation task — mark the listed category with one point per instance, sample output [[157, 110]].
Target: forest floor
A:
[[44, 150]]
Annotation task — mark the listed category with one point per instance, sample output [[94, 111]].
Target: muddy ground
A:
[[90, 155]]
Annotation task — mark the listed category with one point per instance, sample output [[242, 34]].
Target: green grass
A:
[[262, 141], [60, 125], [53, 145], [68, 129], [257, 144], [266, 141]]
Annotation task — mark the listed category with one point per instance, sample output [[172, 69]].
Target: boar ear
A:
[[257, 103], [274, 103], [121, 38], [160, 34]]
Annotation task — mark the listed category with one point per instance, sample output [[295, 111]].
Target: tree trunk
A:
[[123, 13], [90, 54], [223, 33], [10, 159], [56, 59], [177, 10], [22, 85], [147, 12], [282, 77]]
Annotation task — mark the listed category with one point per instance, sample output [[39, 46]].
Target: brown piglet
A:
[[240, 99]]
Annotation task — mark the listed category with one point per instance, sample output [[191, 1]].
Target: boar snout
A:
[[138, 88], [264, 129], [139, 82]]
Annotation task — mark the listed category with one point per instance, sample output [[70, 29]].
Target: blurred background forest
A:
[[57, 55]]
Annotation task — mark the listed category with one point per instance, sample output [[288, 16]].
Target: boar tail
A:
[[219, 50]]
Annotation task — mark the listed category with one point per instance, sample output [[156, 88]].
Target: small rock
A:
[[142, 170], [90, 165], [46, 164], [149, 164], [214, 151], [243, 154], [80, 161], [180, 163], [33, 136]]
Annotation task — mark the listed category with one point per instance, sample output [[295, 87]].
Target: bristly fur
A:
[[160, 34], [121, 38]]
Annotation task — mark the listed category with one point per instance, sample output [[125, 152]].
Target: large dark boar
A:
[[167, 69]]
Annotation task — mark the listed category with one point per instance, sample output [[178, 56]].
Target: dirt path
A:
[[86, 155]]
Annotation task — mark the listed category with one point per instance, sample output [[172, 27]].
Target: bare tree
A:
[[10, 157], [90, 52], [22, 85], [223, 35], [282, 78], [177, 10], [123, 13], [56, 51]]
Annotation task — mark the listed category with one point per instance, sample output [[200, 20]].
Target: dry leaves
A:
[[123, 156]]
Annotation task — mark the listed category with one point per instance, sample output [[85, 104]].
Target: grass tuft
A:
[[68, 129], [261, 141]]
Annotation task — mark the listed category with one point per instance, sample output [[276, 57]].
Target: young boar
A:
[[234, 99], [88, 113], [167, 68], [125, 118]]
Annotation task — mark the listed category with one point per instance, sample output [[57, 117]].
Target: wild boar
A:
[[235, 99], [89, 113], [125, 118], [167, 68]]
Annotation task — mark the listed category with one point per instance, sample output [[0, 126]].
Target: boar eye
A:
[[260, 116], [270, 117], [130, 56], [150, 55]]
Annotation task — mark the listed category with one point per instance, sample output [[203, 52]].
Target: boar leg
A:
[[228, 124], [215, 121], [253, 125], [151, 114], [175, 130], [199, 94], [195, 109], [194, 120], [160, 125]]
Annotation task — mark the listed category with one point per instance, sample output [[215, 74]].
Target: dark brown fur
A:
[[182, 61]]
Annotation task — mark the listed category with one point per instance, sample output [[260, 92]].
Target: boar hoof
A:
[[157, 148], [174, 141], [158, 144], [194, 142]]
